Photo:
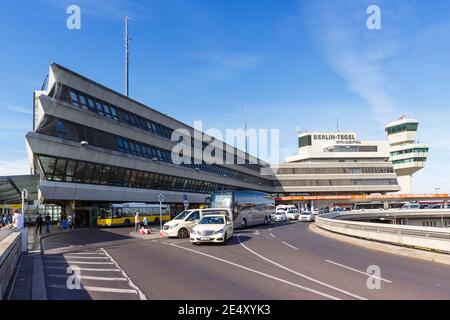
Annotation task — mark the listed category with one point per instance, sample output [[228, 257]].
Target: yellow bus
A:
[[123, 214]]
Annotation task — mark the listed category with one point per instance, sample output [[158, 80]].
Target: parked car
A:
[[182, 225], [306, 216], [280, 216], [212, 229], [411, 206], [292, 214]]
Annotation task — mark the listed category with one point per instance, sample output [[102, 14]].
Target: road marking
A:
[[130, 282], [75, 257], [272, 235], [83, 253], [359, 271], [80, 262], [259, 272], [98, 289], [289, 245], [88, 277], [83, 269], [300, 274]]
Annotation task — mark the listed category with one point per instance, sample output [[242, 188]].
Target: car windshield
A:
[[292, 211], [182, 215], [212, 220], [306, 213]]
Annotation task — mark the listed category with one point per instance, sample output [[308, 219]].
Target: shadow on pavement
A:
[[82, 237]]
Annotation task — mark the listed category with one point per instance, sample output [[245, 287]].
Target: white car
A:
[[280, 216], [306, 216], [212, 228], [182, 225], [292, 214]]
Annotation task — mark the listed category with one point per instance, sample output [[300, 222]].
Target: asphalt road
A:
[[283, 261]]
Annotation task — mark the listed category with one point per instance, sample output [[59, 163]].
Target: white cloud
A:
[[219, 65], [14, 167], [357, 54]]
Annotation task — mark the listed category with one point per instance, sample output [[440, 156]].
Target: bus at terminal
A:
[[123, 214], [249, 208]]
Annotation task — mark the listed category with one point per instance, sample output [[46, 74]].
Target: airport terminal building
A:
[[92, 146]]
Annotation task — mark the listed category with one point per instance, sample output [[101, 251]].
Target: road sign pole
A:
[[160, 215]]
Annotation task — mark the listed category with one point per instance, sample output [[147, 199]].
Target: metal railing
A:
[[437, 239]]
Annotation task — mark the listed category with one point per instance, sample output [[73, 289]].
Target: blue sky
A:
[[295, 64]]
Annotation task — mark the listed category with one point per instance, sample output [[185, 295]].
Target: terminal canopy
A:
[[11, 187]]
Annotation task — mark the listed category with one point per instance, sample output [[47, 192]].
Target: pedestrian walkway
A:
[[28, 283], [88, 274]]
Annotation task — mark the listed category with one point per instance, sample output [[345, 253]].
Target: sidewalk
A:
[[29, 283]]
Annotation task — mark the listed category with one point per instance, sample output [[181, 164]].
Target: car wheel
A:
[[156, 220], [225, 238], [127, 223], [183, 233]]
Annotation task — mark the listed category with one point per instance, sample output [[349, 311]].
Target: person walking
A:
[[39, 223], [48, 221], [70, 221], [137, 222], [145, 223]]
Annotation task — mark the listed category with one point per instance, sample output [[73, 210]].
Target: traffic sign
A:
[[160, 197], [186, 203], [25, 194]]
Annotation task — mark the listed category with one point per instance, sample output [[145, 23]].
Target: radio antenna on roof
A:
[[127, 39]]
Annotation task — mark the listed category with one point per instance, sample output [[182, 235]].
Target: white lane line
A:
[[87, 277], [98, 289], [83, 269], [84, 253], [75, 257], [300, 274], [359, 271], [130, 282], [259, 272], [78, 262], [272, 235], [289, 245]]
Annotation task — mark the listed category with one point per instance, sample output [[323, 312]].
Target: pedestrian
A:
[[70, 221], [48, 221], [137, 222], [39, 223], [17, 220], [145, 223]]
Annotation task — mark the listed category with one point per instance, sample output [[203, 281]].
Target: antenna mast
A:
[[245, 120], [126, 57]]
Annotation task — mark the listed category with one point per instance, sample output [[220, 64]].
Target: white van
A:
[[182, 225]]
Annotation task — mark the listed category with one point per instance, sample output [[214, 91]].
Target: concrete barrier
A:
[[437, 239], [10, 250]]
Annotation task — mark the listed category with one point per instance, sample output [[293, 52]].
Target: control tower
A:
[[407, 155]]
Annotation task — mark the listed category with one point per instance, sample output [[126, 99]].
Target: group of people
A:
[[16, 220], [40, 222], [5, 219], [137, 222], [66, 222]]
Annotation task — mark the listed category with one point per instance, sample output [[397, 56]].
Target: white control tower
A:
[[406, 154]]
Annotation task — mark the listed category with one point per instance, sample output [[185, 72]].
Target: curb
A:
[[153, 235], [384, 247]]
